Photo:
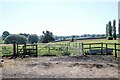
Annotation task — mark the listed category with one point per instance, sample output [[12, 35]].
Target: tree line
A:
[[23, 38], [111, 30]]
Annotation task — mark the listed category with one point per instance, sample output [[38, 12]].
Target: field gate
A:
[[25, 49]]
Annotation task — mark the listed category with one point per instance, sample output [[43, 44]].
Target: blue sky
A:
[[61, 17]]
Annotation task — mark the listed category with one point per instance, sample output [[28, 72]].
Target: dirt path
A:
[[61, 67]]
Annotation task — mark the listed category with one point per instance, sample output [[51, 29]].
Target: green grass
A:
[[6, 50], [53, 49]]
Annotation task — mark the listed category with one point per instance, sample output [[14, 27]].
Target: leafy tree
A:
[[47, 37], [33, 38], [5, 34], [110, 28], [24, 34], [114, 29], [17, 38], [110, 37]]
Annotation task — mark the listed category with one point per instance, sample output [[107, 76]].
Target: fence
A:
[[26, 49], [59, 49], [101, 46]]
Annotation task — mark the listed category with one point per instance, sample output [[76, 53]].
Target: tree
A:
[[17, 38], [107, 30], [24, 34], [110, 37], [47, 37], [110, 28], [33, 38], [5, 34], [114, 29]]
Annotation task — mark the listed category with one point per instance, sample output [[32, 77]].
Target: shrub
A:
[[17, 38], [110, 38]]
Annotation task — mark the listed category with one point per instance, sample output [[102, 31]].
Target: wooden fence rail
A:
[[72, 48], [104, 47]]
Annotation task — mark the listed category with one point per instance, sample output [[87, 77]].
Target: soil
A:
[[95, 66]]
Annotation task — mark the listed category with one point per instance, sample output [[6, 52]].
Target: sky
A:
[[62, 17]]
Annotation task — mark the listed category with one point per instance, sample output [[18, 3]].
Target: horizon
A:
[[62, 18]]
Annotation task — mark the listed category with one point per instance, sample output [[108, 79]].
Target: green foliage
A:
[[110, 29], [5, 34], [114, 29], [33, 38], [18, 38], [47, 37], [110, 38], [24, 34]]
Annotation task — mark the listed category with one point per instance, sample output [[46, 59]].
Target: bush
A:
[[110, 38], [17, 38]]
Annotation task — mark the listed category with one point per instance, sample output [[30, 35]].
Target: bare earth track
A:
[[61, 67]]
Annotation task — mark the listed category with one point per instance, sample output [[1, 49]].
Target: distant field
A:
[[95, 41], [99, 41]]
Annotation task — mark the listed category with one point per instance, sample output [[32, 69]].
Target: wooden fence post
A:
[[49, 48], [106, 48], [79, 48], [115, 51], [36, 50], [24, 50], [90, 48], [14, 48], [102, 48], [82, 49], [17, 49], [69, 48]]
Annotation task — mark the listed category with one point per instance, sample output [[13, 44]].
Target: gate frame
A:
[[16, 48]]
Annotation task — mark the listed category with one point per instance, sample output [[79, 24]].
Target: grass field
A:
[[60, 48]]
